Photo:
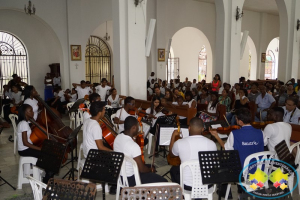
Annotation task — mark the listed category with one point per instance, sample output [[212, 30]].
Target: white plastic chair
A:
[[37, 188], [112, 120], [88, 104], [26, 161], [71, 115], [198, 189], [79, 118], [296, 146], [14, 118], [266, 163], [123, 174]]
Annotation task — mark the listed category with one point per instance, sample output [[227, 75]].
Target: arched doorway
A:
[[13, 59], [271, 64], [193, 49], [97, 60]]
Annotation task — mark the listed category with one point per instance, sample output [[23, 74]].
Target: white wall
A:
[[42, 45], [186, 45]]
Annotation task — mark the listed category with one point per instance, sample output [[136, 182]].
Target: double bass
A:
[[175, 161]]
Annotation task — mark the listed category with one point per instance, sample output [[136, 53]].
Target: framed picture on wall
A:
[[75, 52], [161, 55], [263, 57]]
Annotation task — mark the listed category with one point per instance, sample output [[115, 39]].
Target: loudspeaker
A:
[[168, 50], [243, 43], [150, 36]]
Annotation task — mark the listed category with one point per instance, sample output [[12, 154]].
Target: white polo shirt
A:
[[125, 144], [187, 149]]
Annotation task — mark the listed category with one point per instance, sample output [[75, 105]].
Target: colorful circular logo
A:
[[268, 178]]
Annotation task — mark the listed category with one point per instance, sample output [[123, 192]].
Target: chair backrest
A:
[[198, 189], [79, 118], [295, 150], [265, 165], [159, 191], [221, 109], [69, 105], [124, 175], [37, 187], [87, 103], [14, 118]]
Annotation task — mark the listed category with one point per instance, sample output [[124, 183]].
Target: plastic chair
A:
[[112, 120], [37, 187], [296, 146], [71, 115], [198, 189], [80, 164], [13, 118], [153, 191], [26, 161], [124, 181]]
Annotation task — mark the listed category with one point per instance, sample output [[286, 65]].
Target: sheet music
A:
[[165, 135], [146, 129], [215, 126]]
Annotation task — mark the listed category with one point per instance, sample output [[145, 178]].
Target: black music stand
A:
[[219, 167], [52, 155], [5, 182], [70, 143], [65, 190], [207, 125], [103, 167], [74, 109]]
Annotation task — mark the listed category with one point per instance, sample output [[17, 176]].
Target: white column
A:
[[289, 39], [228, 40], [129, 48]]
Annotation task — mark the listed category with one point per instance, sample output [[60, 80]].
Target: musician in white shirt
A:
[[82, 89]]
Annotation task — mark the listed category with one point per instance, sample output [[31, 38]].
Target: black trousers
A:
[[146, 178], [36, 154]]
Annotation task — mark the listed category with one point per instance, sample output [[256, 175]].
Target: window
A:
[[249, 69], [270, 65], [202, 65], [173, 68], [97, 60], [13, 59]]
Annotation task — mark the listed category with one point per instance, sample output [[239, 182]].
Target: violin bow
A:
[[155, 140], [226, 120]]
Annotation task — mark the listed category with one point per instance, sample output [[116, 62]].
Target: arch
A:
[[249, 60], [97, 60], [186, 44], [13, 59], [272, 58]]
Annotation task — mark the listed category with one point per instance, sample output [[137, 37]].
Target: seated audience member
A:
[[290, 90], [236, 100], [187, 149], [152, 76], [114, 99], [93, 98], [231, 117], [195, 94], [16, 96], [194, 84], [216, 83], [222, 88], [163, 87], [152, 83], [225, 100], [291, 112], [149, 90], [180, 102], [73, 95], [204, 97], [278, 131], [211, 113], [169, 96], [103, 88], [124, 143], [158, 93], [264, 102], [247, 140], [177, 93], [123, 113], [189, 99], [83, 89], [92, 132], [253, 93], [282, 96]]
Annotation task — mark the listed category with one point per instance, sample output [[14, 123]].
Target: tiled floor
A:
[[9, 169]]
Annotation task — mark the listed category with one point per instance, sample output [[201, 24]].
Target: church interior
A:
[[211, 57]]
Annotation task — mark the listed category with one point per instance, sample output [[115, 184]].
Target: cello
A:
[[140, 139], [175, 161]]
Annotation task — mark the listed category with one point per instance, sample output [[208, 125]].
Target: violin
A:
[[140, 139], [175, 161], [261, 125], [228, 129]]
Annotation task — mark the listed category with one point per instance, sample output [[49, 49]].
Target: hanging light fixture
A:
[[29, 10], [238, 15], [137, 2], [106, 37], [298, 24]]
